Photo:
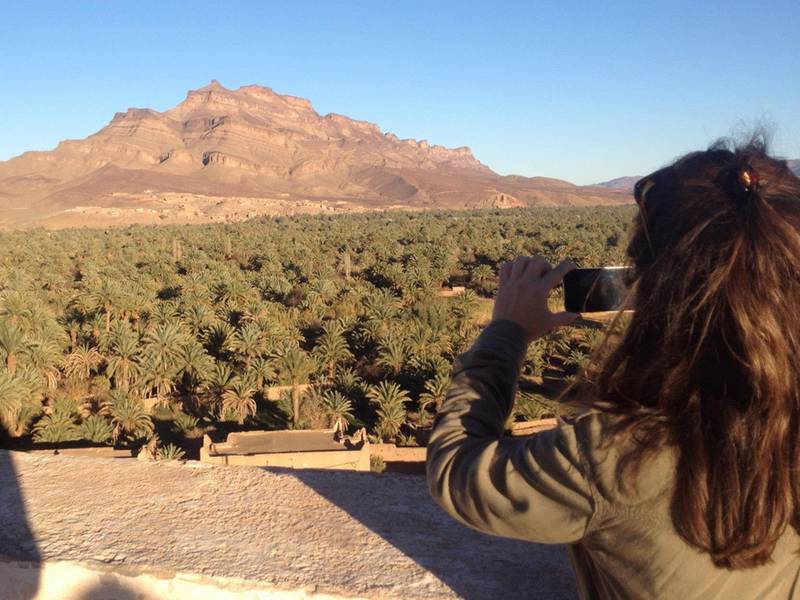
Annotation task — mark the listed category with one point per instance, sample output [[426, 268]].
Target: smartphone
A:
[[596, 290]]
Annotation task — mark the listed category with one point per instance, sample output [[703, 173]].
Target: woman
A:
[[681, 478]]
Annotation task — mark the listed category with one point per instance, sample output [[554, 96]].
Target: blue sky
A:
[[580, 91]]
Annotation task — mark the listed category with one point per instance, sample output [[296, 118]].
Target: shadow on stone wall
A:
[[109, 589], [472, 564], [20, 544]]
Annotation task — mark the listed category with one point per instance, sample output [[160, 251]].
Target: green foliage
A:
[[58, 426], [185, 423], [239, 399], [534, 406], [575, 357], [20, 400], [170, 452], [377, 464], [97, 429], [205, 317], [390, 400], [433, 396], [337, 409], [128, 416]]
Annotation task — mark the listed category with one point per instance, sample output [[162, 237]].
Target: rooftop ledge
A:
[[81, 527]]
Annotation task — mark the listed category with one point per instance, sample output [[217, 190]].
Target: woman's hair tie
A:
[[740, 183], [747, 178]]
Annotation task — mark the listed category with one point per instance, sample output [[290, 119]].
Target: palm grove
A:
[[104, 334]]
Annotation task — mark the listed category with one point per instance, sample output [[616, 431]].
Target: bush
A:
[[97, 429], [59, 426], [170, 452], [377, 464], [534, 406], [184, 423]]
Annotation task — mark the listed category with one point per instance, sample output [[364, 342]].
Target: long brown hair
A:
[[710, 361]]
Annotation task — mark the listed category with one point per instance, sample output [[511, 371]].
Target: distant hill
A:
[[624, 184], [226, 154]]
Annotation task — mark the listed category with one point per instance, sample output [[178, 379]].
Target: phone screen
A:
[[595, 290]]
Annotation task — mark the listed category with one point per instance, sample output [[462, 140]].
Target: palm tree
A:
[[381, 305], [12, 342], [123, 363], [390, 400], [104, 297], [434, 394], [128, 416], [464, 306], [14, 308], [195, 364], [294, 368], [234, 293], [197, 316], [163, 313], [12, 400], [332, 350], [346, 264], [44, 355], [349, 382], [73, 326], [239, 399], [94, 326], [390, 419], [220, 380], [249, 342], [82, 361], [96, 429], [338, 409], [483, 277], [392, 355], [219, 339], [263, 371], [163, 354], [60, 426]]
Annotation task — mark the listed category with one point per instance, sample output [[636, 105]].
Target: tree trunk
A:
[[295, 405], [123, 383], [11, 362]]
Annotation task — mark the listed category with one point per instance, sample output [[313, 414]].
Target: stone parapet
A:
[[125, 529]]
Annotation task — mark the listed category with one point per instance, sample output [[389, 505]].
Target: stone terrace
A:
[[79, 527]]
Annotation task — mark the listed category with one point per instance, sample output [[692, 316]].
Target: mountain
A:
[[623, 184], [794, 165], [226, 154]]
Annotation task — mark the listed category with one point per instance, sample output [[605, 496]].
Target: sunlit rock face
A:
[[124, 528], [255, 143]]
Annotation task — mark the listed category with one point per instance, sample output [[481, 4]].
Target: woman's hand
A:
[[525, 284]]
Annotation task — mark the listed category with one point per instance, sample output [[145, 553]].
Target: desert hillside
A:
[[226, 155]]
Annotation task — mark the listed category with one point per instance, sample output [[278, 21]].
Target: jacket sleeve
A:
[[531, 488]]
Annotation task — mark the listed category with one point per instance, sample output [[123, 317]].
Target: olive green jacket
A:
[[561, 487]]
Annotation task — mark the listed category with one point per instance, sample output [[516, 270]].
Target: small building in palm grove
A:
[[293, 449], [449, 292]]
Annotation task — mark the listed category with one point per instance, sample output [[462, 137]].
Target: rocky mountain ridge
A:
[[226, 154]]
